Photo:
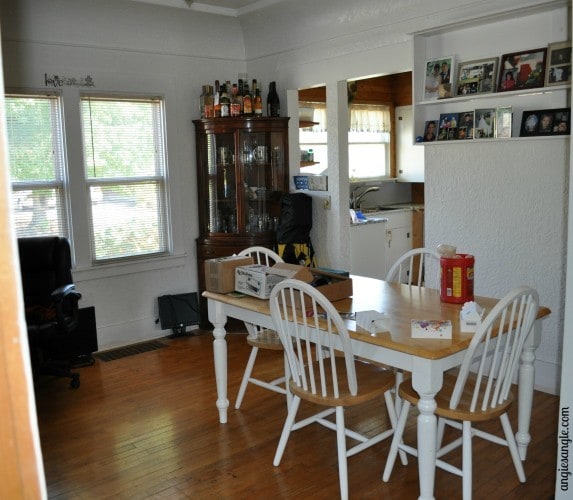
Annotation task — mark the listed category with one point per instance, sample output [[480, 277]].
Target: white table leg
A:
[[218, 319], [525, 390], [427, 427], [427, 379]]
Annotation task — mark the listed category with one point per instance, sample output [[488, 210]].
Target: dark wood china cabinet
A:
[[242, 170]]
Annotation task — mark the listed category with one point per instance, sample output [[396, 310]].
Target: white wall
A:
[[515, 193], [126, 45]]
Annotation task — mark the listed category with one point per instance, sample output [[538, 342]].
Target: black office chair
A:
[[51, 303]]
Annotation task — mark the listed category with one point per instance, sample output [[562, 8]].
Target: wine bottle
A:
[[258, 104], [208, 108], [273, 103], [247, 102], [217, 99], [225, 102]]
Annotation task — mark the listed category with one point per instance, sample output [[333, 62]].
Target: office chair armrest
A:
[[65, 299]]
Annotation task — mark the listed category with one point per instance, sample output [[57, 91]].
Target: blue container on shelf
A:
[[301, 182]]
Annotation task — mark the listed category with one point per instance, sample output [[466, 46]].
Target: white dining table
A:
[[425, 359]]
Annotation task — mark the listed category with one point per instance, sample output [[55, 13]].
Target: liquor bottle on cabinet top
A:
[[208, 110], [225, 102], [258, 104], [235, 106], [273, 103], [247, 102], [217, 100], [240, 96]]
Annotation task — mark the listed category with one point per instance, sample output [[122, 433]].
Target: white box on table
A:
[[259, 280]]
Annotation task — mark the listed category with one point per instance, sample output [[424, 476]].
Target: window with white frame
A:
[[37, 164], [125, 174], [368, 141]]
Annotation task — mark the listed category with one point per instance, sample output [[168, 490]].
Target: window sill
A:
[[133, 267]]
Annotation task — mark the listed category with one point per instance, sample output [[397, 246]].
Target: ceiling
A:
[[233, 8]]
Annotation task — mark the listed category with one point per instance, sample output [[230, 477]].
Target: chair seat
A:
[[266, 339], [462, 412], [373, 382]]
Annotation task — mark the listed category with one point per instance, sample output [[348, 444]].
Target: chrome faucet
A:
[[356, 197]]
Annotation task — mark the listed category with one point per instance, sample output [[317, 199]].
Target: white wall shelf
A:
[[490, 38]]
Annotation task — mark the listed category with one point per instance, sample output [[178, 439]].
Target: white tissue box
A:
[[469, 323], [431, 329], [470, 317]]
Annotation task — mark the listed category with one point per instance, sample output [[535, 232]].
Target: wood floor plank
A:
[[146, 427]]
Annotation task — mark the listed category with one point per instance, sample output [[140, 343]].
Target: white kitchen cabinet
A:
[[409, 157], [367, 250], [374, 247], [398, 236]]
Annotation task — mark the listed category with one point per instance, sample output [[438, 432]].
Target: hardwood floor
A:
[[146, 426]]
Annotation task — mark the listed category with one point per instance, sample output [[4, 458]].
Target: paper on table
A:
[[373, 321]]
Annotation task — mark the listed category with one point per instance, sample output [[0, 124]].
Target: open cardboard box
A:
[[258, 281]]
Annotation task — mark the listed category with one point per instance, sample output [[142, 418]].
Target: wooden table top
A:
[[401, 304]]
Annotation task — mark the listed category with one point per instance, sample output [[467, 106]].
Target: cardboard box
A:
[[220, 272], [259, 280], [338, 287]]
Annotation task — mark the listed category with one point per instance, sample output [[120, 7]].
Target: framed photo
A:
[[503, 122], [448, 127], [430, 131], [439, 77], [558, 70], [466, 125], [477, 77], [522, 70], [546, 122], [484, 123]]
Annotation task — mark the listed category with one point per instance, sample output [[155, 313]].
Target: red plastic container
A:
[[457, 278]]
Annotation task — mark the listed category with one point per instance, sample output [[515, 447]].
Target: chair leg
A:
[[393, 420], [287, 378], [293, 408], [467, 461], [246, 376], [512, 445], [341, 445], [440, 433], [396, 440], [397, 398]]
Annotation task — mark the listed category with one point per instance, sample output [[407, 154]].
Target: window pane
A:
[[127, 220], [37, 212], [125, 172], [119, 139], [367, 160], [37, 168]]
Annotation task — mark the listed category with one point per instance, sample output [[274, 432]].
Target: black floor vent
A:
[[130, 350]]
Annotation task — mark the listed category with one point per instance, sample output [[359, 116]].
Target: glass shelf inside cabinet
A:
[[221, 187]]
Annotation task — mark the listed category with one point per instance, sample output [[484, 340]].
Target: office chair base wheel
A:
[[75, 383]]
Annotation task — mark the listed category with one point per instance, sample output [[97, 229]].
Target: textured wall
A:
[[506, 203]]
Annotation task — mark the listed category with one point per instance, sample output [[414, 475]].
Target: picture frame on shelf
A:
[[448, 126], [484, 123], [438, 78], [558, 70], [522, 70], [477, 77], [503, 122], [466, 125], [430, 131], [545, 122]]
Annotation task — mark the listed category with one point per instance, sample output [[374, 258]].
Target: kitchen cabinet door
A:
[[398, 237], [367, 247], [409, 156]]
